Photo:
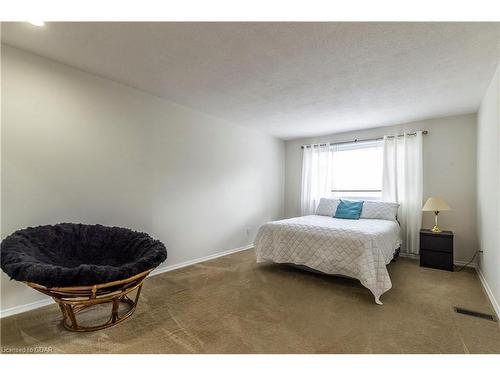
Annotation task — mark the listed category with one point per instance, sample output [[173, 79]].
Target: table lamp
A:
[[436, 204]]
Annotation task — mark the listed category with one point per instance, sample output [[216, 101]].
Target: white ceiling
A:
[[287, 79]]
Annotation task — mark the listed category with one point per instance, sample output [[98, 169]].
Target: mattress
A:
[[360, 249]]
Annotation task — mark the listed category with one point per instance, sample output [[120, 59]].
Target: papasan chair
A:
[[81, 265]]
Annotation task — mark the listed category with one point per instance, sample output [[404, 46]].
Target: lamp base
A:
[[436, 229]]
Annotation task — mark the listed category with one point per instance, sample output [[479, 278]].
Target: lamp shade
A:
[[436, 204]]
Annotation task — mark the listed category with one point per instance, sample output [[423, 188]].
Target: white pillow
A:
[[379, 210], [327, 207]]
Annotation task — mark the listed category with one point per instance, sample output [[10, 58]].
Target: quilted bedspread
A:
[[356, 248]]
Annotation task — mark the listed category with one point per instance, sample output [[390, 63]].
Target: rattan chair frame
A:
[[72, 300]]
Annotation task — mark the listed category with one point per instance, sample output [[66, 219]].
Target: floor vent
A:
[[476, 314]]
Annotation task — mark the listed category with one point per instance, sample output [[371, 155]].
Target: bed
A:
[[360, 249]]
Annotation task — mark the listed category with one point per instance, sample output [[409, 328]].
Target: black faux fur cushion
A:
[[78, 254]]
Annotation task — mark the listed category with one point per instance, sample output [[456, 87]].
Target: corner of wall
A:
[[488, 190]]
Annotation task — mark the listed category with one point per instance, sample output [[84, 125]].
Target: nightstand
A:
[[436, 249]]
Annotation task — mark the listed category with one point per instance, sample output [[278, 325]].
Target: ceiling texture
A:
[[290, 80]]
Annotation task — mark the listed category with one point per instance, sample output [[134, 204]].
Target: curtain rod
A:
[[362, 140]]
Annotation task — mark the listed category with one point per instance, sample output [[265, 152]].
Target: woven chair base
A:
[[74, 300]]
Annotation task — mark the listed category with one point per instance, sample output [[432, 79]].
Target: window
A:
[[357, 170]]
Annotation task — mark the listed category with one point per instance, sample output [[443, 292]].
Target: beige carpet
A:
[[233, 305]]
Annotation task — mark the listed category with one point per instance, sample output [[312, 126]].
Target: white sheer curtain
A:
[[316, 176], [402, 183]]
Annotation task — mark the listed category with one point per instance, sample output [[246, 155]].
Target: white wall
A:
[[79, 148], [449, 171], [212, 182], [488, 187]]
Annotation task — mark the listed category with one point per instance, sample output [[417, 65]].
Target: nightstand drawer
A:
[[437, 243], [436, 259]]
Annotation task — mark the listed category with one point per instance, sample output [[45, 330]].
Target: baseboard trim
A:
[[455, 262], [463, 263], [172, 267], [411, 256], [47, 301], [489, 293], [26, 307]]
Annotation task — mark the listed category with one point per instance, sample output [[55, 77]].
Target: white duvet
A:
[[356, 248]]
